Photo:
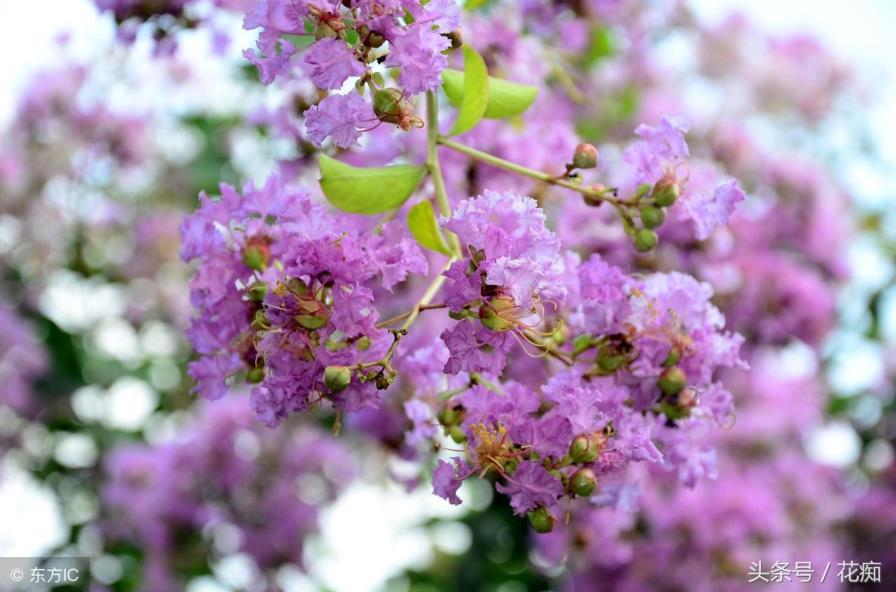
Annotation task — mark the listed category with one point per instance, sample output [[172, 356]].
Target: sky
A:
[[862, 32]]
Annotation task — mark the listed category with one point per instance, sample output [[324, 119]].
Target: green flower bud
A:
[[583, 482], [337, 378], [652, 216], [666, 192], [449, 416], [256, 257], [642, 190], [581, 343], [457, 434], [582, 450], [585, 156], [255, 375], [541, 520], [645, 240], [609, 361], [672, 381], [673, 358], [363, 343]]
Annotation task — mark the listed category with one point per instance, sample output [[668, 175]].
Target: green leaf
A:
[[367, 190], [422, 224], [600, 45], [475, 94], [474, 4], [505, 98]]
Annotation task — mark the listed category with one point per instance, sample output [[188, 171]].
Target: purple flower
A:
[[474, 348], [418, 52], [219, 472], [662, 149], [284, 290], [447, 478], [330, 62], [424, 426], [341, 118], [531, 486], [710, 211]]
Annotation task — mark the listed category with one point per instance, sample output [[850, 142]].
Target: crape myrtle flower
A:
[[284, 291], [226, 471], [22, 360], [655, 176], [352, 38], [640, 387], [512, 268]]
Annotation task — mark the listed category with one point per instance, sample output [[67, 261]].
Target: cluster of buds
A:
[[648, 206], [490, 450]]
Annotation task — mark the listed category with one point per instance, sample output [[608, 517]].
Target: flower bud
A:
[[255, 375], [642, 190], [363, 343], [666, 191], [582, 450], [541, 520], [672, 381], [255, 257], [583, 482], [594, 200], [582, 343], [609, 360], [457, 434], [585, 156], [498, 313], [645, 240], [652, 216], [449, 416], [673, 357], [337, 378]]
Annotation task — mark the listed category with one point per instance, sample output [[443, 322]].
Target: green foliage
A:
[[475, 97], [505, 98], [422, 224], [368, 190]]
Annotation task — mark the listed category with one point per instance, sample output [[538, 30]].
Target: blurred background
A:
[[104, 148]]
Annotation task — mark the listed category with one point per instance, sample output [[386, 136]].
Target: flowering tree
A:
[[508, 244]]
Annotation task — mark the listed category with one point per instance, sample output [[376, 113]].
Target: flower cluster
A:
[[249, 489], [165, 19], [286, 300], [642, 357], [22, 360], [355, 40]]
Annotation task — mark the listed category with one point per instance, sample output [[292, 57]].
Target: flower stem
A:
[[404, 315], [603, 194], [432, 153]]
